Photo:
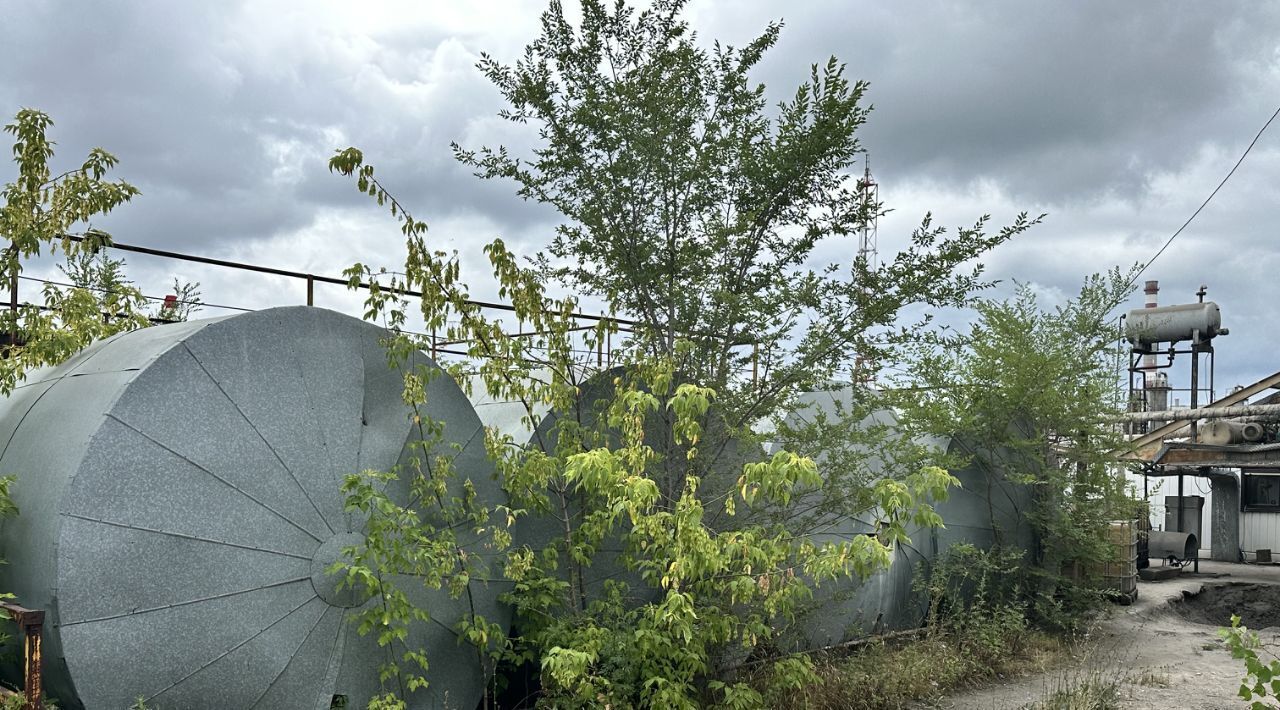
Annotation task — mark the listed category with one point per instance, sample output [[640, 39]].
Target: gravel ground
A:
[[1164, 649]]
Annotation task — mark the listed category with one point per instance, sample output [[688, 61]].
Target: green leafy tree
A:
[[104, 277], [693, 207], [95, 271], [39, 211], [187, 301], [694, 593], [1038, 391]]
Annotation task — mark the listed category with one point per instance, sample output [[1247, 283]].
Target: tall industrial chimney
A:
[[1149, 360], [1155, 384]]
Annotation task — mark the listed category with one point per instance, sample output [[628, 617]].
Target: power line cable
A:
[[1252, 143]]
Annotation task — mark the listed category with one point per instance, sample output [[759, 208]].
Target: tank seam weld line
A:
[[260, 436], [417, 498], [292, 657], [233, 649], [320, 428], [189, 602], [185, 536], [220, 479]]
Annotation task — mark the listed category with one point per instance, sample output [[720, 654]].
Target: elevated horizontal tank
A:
[[1196, 322]]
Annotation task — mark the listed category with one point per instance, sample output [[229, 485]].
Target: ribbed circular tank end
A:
[[326, 584]]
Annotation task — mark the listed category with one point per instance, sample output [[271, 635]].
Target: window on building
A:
[[1261, 491]]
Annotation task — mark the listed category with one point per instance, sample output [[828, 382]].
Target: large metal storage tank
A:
[[984, 508], [179, 496], [595, 392]]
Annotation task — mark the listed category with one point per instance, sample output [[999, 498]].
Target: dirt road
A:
[[1163, 650]]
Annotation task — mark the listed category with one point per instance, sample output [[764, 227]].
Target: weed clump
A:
[[977, 631]]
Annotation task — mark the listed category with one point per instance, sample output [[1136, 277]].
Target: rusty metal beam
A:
[[1144, 448], [1216, 457], [31, 623]]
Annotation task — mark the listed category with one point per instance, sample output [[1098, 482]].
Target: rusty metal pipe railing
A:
[[310, 278]]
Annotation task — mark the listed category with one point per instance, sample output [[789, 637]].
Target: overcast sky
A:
[[1116, 119]]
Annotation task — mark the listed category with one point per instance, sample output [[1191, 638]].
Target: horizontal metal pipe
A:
[[162, 253], [1196, 471], [1186, 415]]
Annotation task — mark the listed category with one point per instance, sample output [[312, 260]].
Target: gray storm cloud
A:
[[1114, 118]]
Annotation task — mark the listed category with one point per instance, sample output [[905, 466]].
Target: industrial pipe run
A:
[[1224, 432], [1244, 410]]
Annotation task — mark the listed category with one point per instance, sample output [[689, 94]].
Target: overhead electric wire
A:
[[51, 309], [1134, 278]]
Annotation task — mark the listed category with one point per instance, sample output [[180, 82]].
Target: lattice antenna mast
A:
[[867, 243], [868, 251]]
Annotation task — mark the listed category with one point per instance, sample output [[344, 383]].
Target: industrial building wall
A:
[[1258, 530]]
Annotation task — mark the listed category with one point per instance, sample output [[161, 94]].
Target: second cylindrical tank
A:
[[1196, 322], [1223, 432]]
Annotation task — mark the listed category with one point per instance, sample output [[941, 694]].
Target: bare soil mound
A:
[[1257, 604]]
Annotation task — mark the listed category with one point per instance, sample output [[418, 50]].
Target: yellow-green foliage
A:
[[38, 210]]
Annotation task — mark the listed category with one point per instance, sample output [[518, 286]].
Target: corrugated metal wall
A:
[[1259, 531]]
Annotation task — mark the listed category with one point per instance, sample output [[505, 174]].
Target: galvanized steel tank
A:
[[180, 501], [1196, 322], [722, 465], [986, 508]]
